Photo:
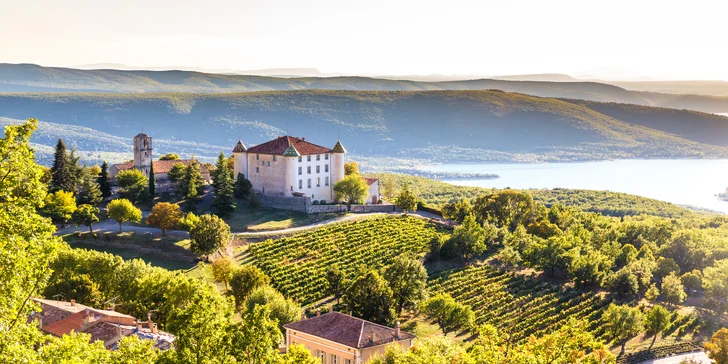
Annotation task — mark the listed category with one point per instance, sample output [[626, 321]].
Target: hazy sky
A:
[[661, 39]]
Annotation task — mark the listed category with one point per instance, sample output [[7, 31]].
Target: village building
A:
[[337, 338], [294, 167], [60, 318], [143, 159]]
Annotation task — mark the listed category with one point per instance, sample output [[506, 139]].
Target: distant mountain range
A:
[[33, 78], [442, 126]]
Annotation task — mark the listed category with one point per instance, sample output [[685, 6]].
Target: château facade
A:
[[288, 166]]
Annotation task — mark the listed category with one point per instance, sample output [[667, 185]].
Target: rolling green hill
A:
[[441, 126], [34, 78]]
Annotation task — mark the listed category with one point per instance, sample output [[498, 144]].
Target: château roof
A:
[[240, 147], [348, 330], [161, 167], [339, 148], [141, 135], [280, 145]]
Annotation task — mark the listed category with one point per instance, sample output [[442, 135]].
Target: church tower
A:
[[142, 152]]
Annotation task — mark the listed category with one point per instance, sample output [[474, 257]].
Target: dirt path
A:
[[112, 226]]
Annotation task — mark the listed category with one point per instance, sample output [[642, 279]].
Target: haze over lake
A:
[[683, 182]]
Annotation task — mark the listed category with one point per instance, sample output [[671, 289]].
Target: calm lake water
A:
[[684, 182]]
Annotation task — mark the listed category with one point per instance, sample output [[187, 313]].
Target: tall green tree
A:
[[508, 208], [26, 243], [193, 182], [208, 235], [90, 193], [86, 215], [407, 278], [244, 280], [672, 289], [103, 181], [255, 340], [152, 182], [122, 210], [447, 313], [370, 298], [243, 187], [352, 189], [623, 322], [657, 320], [133, 185], [223, 201], [59, 206], [407, 200], [469, 238], [336, 282], [715, 283], [60, 171], [284, 310]]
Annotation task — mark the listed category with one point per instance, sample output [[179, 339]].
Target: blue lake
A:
[[682, 181]]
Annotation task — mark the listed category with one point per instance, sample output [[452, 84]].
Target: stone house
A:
[[60, 318], [143, 160], [337, 338]]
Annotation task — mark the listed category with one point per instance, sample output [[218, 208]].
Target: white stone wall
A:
[[318, 190], [373, 196], [337, 169], [240, 165], [267, 174]]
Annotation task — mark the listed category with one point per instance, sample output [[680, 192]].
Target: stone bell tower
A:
[[142, 152]]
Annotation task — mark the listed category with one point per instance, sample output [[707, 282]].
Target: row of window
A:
[[300, 158], [318, 182], [300, 169], [332, 358], [308, 158], [318, 169]]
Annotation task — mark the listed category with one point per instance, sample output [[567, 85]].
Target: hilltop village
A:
[[284, 252]]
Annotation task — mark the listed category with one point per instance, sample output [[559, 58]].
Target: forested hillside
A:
[[434, 125], [34, 78]]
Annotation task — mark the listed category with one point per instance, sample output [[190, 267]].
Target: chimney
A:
[[303, 139], [73, 302], [396, 331], [303, 314], [138, 325], [150, 323], [372, 337], [318, 313], [153, 327], [87, 319]]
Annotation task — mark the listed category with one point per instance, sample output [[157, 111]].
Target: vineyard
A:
[[518, 304], [296, 265]]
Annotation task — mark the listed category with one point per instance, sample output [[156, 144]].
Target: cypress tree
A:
[[59, 170], [103, 180], [194, 182], [90, 193], [242, 187], [223, 202], [152, 182]]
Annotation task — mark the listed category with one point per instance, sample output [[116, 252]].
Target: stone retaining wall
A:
[[304, 204]]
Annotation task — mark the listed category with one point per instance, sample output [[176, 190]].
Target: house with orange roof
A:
[[60, 318]]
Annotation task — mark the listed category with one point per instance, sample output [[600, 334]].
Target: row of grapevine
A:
[[518, 303], [297, 265], [659, 351]]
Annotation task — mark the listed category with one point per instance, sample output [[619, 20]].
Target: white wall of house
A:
[[313, 176], [373, 196]]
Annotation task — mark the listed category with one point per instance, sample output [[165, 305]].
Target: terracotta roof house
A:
[[143, 160], [337, 338], [60, 318]]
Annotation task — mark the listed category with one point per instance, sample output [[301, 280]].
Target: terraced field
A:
[[297, 265], [519, 304]]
